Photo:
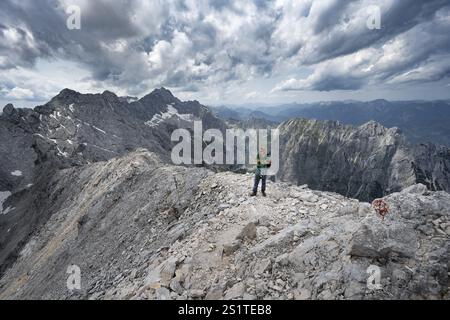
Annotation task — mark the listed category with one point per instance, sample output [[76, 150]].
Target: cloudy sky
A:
[[225, 51]]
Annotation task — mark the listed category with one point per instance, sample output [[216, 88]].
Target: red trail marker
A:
[[381, 207]]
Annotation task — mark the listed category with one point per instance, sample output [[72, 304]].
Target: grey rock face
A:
[[121, 226], [432, 166], [73, 130], [16, 147], [366, 162]]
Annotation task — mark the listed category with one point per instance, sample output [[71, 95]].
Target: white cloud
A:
[[19, 94], [419, 55]]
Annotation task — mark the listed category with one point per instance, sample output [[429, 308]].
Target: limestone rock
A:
[[162, 294], [237, 291], [248, 231]]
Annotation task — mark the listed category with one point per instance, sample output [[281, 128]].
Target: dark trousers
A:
[[259, 177]]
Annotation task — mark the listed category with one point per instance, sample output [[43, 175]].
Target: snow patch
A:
[[100, 148], [63, 126], [55, 115], [45, 138], [61, 153], [8, 210], [28, 248], [71, 108], [98, 129], [171, 112], [4, 195], [16, 173], [186, 117]]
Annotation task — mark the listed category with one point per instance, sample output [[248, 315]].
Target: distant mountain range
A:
[[420, 121]]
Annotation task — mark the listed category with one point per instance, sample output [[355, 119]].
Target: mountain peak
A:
[[8, 109], [110, 96], [162, 94], [67, 92], [162, 90], [107, 92], [66, 95], [372, 123], [375, 127]]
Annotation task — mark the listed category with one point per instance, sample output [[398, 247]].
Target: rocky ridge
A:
[[199, 235], [73, 130]]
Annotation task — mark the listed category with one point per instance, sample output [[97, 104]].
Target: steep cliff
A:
[[365, 162]]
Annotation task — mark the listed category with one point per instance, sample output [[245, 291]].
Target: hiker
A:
[[263, 162]]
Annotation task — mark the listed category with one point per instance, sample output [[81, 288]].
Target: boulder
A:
[[236, 291], [162, 294], [215, 293], [248, 232], [196, 293], [375, 240], [302, 294], [230, 248]]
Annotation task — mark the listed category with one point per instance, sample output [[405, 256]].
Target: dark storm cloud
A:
[[46, 22], [341, 29], [330, 15], [413, 45], [137, 44], [341, 82]]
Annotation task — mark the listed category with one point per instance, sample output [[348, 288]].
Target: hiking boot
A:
[[264, 194], [253, 194]]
